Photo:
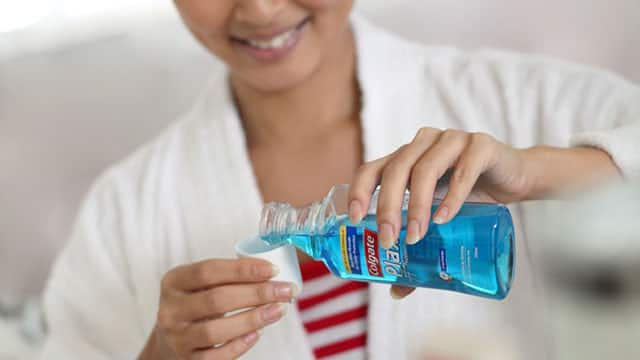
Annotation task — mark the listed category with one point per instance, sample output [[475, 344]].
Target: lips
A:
[[270, 46]]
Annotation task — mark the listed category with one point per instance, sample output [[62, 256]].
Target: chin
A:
[[277, 80]]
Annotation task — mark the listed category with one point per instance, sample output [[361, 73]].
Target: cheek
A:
[[331, 18], [208, 21], [335, 6], [330, 15], [204, 17], [323, 3]]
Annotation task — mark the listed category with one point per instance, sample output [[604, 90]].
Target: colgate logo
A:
[[371, 252]]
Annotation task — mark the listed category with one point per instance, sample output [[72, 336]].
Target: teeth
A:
[[274, 43]]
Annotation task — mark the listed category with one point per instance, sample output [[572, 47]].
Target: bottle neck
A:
[[280, 222]]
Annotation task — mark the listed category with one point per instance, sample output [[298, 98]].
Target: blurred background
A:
[[83, 82]]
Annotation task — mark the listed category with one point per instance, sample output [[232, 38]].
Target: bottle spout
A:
[[275, 219], [281, 220]]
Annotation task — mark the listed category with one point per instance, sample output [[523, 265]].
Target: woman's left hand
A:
[[479, 163]]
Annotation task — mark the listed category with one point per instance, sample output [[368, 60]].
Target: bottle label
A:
[[362, 255], [444, 275], [350, 249], [351, 244], [371, 253]]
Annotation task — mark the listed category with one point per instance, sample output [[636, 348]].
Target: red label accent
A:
[[370, 239]]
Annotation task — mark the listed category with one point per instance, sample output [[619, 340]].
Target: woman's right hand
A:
[[194, 299]]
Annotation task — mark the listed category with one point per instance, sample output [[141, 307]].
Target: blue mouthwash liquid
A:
[[472, 254]]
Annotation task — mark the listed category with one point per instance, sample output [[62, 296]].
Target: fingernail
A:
[[273, 312], [413, 232], [395, 295], [385, 233], [250, 338], [285, 291], [441, 215], [355, 212], [295, 290]]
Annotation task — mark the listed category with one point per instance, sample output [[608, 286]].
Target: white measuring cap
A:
[[284, 257]]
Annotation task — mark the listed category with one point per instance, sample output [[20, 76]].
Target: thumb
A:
[[400, 292]]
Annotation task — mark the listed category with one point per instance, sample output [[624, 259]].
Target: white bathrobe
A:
[[191, 194]]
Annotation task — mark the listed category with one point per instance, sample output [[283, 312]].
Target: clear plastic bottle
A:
[[472, 254]]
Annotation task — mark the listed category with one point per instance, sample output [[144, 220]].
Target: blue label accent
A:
[[443, 260], [353, 250]]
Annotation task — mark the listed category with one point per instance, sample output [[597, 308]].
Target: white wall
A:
[[67, 113], [605, 33]]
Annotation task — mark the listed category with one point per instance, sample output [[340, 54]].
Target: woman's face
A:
[[271, 45]]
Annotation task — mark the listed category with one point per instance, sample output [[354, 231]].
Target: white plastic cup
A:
[[284, 257]]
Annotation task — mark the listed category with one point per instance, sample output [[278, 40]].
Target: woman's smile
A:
[[271, 44]]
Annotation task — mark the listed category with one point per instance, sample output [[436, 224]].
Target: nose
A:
[[259, 12]]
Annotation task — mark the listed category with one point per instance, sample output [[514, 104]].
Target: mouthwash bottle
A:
[[472, 254]]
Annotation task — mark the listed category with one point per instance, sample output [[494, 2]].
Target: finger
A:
[[424, 179], [232, 350], [223, 299], [400, 292], [204, 334], [362, 186], [477, 157], [395, 177], [209, 273]]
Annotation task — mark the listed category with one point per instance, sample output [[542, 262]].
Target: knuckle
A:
[[264, 292], [201, 273], [460, 175], [386, 214], [166, 282], [418, 203], [451, 133], [246, 269], [456, 137], [425, 132], [482, 138], [212, 299], [366, 169], [484, 145], [253, 320], [490, 150], [400, 165], [417, 212], [362, 169], [165, 319], [425, 168], [171, 277], [210, 333], [401, 149], [393, 168], [357, 193]]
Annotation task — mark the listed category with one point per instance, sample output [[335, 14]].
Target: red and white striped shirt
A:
[[334, 313]]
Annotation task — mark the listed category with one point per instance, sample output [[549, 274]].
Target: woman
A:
[[306, 97]]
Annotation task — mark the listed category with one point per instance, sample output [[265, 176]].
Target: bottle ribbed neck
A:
[[280, 220]]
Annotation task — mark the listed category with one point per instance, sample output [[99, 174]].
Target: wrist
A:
[[533, 169], [552, 170]]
